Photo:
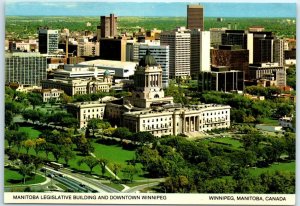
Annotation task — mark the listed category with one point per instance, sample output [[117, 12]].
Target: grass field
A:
[[267, 121], [12, 177], [115, 154], [288, 167], [32, 133]]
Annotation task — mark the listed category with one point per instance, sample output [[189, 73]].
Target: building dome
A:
[[106, 73], [148, 59]]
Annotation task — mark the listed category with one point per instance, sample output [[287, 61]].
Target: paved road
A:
[[91, 182], [140, 187]]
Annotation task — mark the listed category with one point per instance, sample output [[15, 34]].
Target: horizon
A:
[[148, 9]]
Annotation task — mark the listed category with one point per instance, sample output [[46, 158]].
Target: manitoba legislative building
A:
[[149, 110]]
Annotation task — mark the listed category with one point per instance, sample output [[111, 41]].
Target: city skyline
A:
[[23, 8]]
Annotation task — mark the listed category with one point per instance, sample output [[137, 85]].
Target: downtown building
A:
[[108, 26], [240, 38], [278, 51], [200, 52], [149, 110], [79, 80], [268, 71], [179, 41], [48, 40], [25, 68], [195, 17], [113, 49]]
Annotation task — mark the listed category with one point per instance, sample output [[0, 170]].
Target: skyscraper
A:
[[200, 52], [263, 43], [195, 17], [48, 40], [179, 41], [108, 26]]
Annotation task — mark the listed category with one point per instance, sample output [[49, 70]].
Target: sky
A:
[[88, 8]]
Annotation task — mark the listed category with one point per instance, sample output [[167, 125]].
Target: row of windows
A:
[[93, 116], [157, 119], [93, 110], [156, 126], [158, 132]]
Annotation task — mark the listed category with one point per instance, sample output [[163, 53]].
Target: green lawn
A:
[[227, 140], [32, 133], [116, 154], [267, 121], [113, 153], [289, 167], [12, 177]]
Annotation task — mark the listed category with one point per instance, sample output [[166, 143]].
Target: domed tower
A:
[[148, 83], [107, 77]]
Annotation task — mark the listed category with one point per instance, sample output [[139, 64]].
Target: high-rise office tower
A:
[[263, 45], [200, 52], [108, 26], [278, 54], [179, 41], [195, 17], [240, 38], [48, 40]]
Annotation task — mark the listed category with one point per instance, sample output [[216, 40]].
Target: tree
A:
[[90, 161], [9, 116], [94, 124], [40, 144], [122, 133], [52, 101], [35, 99], [116, 167], [28, 144], [69, 121], [37, 163], [219, 186], [67, 155], [144, 137], [130, 171], [290, 144], [103, 162], [33, 115], [56, 151], [65, 99], [25, 170]]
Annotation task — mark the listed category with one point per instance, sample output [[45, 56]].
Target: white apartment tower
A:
[[161, 55], [200, 52], [179, 41]]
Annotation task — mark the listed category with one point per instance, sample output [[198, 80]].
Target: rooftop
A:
[[109, 63]]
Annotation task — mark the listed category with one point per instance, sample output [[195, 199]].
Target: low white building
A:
[[51, 94], [84, 111], [123, 70]]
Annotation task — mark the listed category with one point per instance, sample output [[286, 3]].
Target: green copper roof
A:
[[148, 59], [106, 73]]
